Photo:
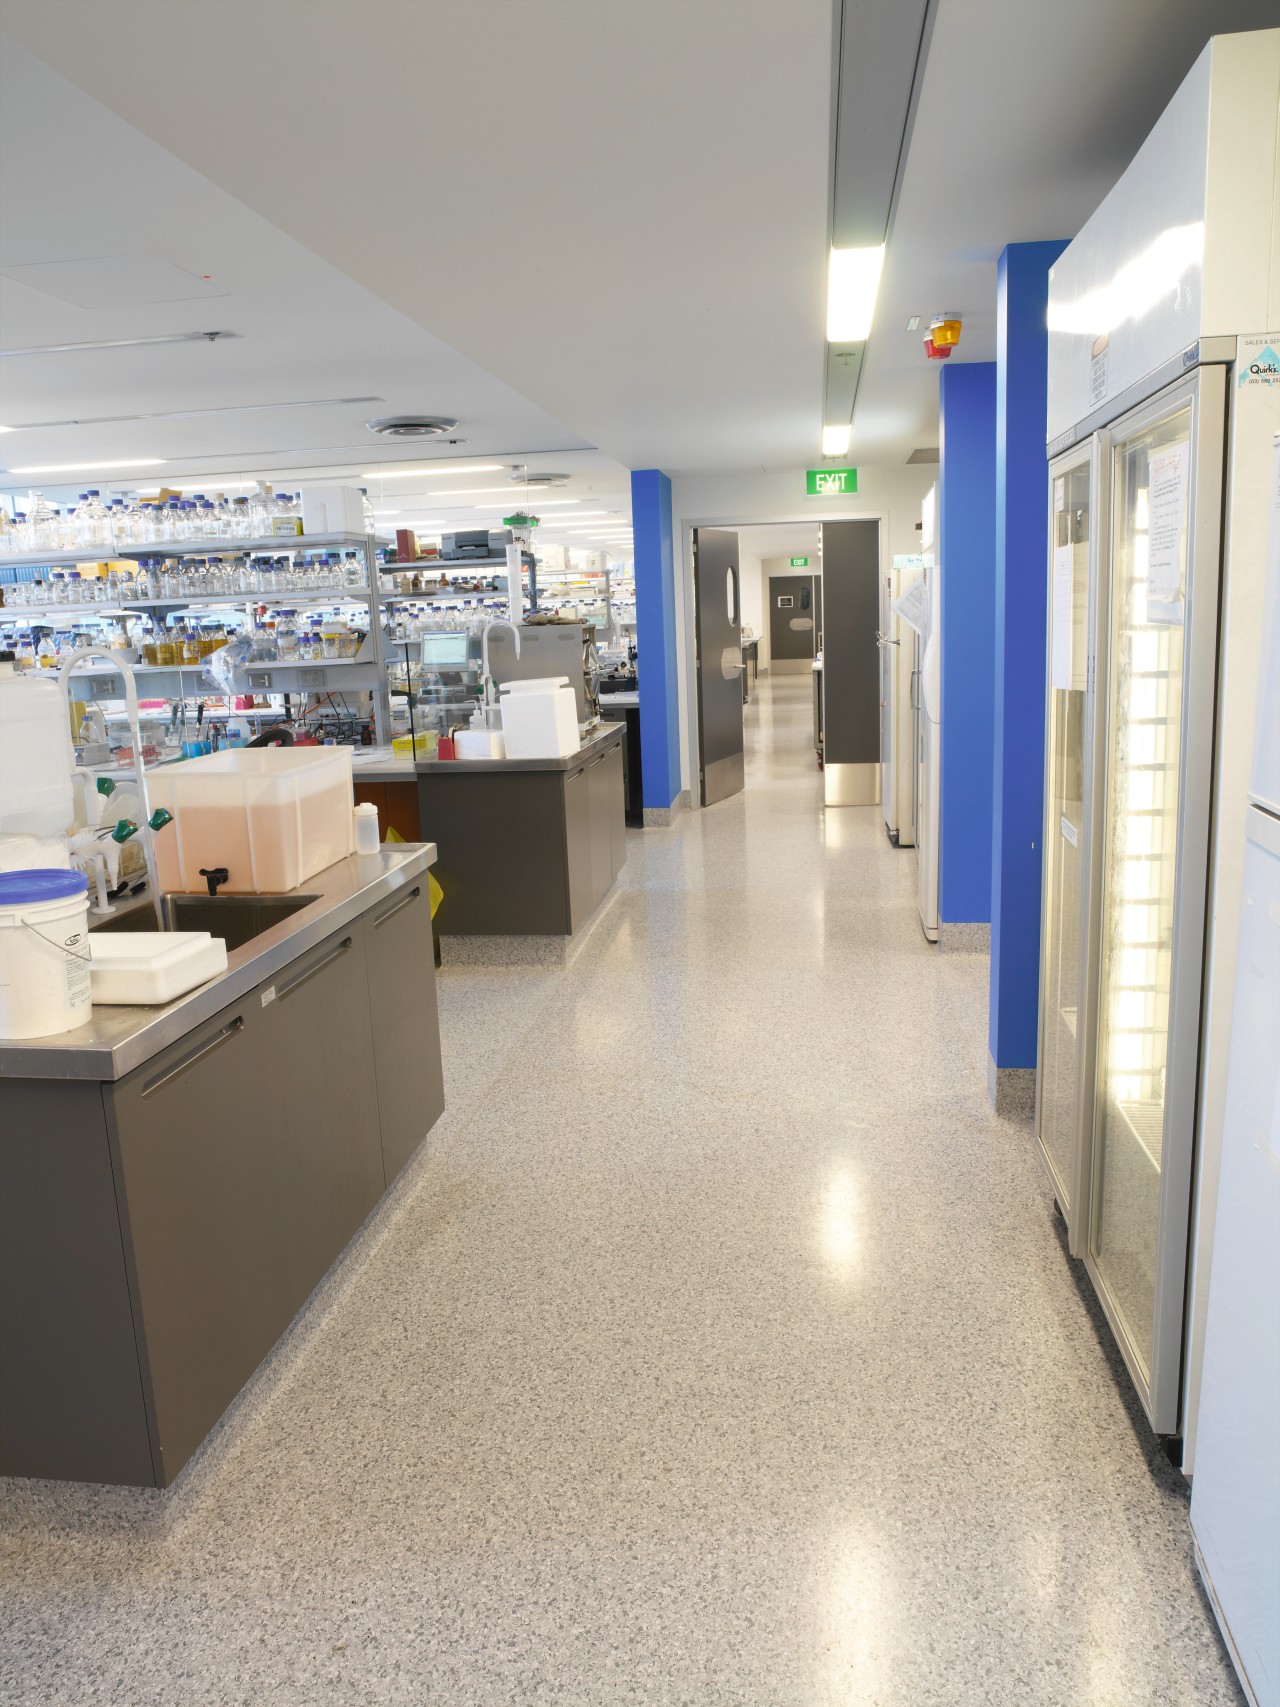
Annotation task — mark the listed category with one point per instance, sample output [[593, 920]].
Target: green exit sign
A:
[[820, 481], [799, 562]]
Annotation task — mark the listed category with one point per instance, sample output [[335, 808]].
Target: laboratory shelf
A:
[[268, 545]]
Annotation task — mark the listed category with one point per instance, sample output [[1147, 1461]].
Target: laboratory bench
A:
[[175, 1181], [527, 848]]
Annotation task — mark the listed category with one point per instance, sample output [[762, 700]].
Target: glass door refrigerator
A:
[[1133, 634], [1153, 758], [1065, 1021], [1149, 309]]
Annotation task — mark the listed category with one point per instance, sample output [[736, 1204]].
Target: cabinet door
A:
[[600, 794], [248, 1156], [406, 1023], [614, 770], [577, 827]]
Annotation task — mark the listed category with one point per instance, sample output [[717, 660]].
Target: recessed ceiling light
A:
[[835, 440], [445, 468], [120, 343], [88, 467], [853, 280]]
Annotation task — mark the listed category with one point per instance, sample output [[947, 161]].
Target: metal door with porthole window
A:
[[717, 608]]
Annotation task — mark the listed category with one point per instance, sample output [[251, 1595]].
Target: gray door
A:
[[793, 622], [717, 603]]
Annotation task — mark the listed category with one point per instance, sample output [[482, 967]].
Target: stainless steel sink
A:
[[237, 919]]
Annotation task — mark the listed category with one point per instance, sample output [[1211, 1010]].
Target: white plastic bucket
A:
[[45, 982]]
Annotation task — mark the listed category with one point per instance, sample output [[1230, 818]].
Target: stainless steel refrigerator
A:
[[1144, 311]]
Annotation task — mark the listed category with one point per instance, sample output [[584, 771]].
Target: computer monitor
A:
[[445, 651]]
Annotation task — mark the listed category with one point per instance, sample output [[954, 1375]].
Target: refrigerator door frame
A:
[[1204, 389], [1072, 1194]]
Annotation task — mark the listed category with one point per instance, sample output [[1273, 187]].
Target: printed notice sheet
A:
[[1060, 618], [1167, 470]]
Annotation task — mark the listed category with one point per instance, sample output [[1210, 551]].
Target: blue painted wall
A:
[[656, 636], [1022, 501], [967, 556]]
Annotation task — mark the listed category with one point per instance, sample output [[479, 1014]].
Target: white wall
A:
[[751, 594], [894, 494]]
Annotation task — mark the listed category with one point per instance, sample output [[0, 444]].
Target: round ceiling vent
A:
[[412, 426], [518, 477]]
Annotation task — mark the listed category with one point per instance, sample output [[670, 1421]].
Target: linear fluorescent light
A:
[[444, 468], [119, 343], [853, 278], [8, 429], [835, 440], [88, 467]]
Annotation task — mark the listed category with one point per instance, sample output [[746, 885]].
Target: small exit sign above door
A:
[[799, 562], [818, 481]]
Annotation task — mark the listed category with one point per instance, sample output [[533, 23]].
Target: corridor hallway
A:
[[721, 1347]]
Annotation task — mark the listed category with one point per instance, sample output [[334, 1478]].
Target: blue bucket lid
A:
[[23, 888]]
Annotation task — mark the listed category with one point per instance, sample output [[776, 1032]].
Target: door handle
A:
[[399, 907], [230, 1030], [283, 990], [911, 690]]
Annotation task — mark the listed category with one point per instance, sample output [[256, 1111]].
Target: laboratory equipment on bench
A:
[[539, 719], [44, 953]]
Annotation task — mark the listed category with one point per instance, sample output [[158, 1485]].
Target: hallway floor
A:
[[721, 1347]]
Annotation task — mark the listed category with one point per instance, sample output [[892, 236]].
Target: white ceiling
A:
[[1029, 112], [619, 208], [97, 188], [783, 539], [575, 224]]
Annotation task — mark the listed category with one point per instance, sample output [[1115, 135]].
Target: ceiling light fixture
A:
[[88, 467], [119, 343], [835, 440], [853, 280], [441, 468]]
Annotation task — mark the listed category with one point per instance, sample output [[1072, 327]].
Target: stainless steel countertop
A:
[[394, 768], [606, 735], [117, 1039]]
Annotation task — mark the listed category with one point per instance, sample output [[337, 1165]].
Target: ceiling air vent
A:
[[929, 453], [542, 482], [412, 426]]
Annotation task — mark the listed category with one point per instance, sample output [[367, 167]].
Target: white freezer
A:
[[1235, 1494]]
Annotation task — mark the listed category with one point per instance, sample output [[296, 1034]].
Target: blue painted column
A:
[[1022, 501], [967, 559], [656, 638]]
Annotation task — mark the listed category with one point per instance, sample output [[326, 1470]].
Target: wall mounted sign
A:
[[821, 482], [799, 562]]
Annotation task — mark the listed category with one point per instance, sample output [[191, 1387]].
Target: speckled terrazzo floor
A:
[[719, 1348]]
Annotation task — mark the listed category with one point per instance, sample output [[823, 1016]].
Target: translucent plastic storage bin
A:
[[271, 815]]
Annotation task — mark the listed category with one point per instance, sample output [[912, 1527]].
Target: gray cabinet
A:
[[402, 1003], [549, 877], [580, 878], [248, 1155], [600, 795]]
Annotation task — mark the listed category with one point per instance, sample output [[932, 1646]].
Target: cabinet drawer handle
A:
[[283, 990], [598, 761], [399, 907], [179, 1067]]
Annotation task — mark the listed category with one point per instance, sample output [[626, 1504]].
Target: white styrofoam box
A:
[[332, 509], [147, 968], [271, 815], [539, 719], [1181, 247]]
